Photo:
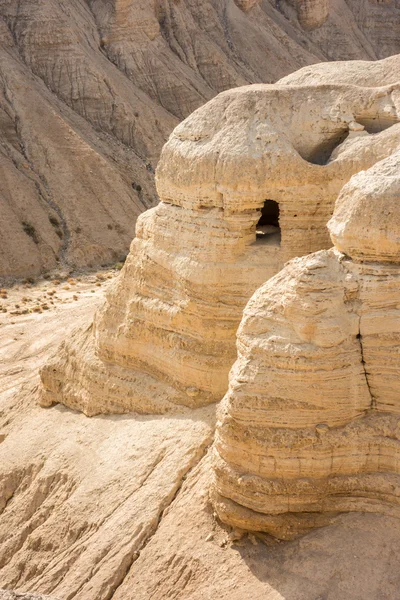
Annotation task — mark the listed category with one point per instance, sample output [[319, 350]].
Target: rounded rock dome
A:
[[366, 220]]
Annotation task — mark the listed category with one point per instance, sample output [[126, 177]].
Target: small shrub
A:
[[31, 231]]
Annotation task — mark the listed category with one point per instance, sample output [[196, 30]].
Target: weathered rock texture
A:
[[80, 498], [130, 519], [312, 13], [90, 90], [246, 5], [310, 426], [10, 595], [165, 335]]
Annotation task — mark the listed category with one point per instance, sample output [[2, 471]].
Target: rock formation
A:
[[310, 426], [246, 5], [10, 595], [312, 13], [90, 91], [246, 183]]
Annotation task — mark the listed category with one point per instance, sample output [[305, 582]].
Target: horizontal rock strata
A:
[[244, 185], [90, 91], [310, 425]]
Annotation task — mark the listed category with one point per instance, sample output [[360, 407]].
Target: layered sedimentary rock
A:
[[310, 426], [90, 91], [245, 183], [312, 13]]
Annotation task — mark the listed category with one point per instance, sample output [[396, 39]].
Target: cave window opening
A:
[[268, 229]]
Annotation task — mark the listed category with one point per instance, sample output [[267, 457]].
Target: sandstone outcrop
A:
[[310, 425], [246, 183], [90, 91]]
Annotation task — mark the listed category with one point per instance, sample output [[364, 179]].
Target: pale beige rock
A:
[[310, 425], [165, 335], [355, 557], [366, 222], [90, 91], [11, 595], [79, 497]]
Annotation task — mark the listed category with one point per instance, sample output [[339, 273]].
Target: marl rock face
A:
[[246, 183], [11, 595], [310, 426], [90, 91], [246, 5], [312, 13]]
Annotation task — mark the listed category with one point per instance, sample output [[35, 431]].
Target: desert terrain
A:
[[91, 90], [117, 506], [199, 315]]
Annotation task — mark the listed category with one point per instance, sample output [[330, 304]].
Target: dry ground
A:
[[117, 507]]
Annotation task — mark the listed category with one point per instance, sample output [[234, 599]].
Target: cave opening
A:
[[268, 229]]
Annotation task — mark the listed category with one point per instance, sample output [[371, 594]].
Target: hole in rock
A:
[[377, 123], [322, 153], [268, 230]]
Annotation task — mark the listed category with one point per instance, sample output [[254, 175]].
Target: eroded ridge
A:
[[310, 426], [246, 183]]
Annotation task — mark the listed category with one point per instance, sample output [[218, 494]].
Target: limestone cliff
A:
[[310, 425], [246, 183], [90, 90]]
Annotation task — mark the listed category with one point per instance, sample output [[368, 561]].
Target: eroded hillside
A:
[[90, 90]]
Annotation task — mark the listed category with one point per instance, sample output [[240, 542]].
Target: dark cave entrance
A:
[[268, 229]]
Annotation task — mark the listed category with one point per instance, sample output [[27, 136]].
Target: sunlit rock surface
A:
[[310, 426], [246, 182]]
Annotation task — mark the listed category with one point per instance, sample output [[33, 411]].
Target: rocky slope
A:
[[90, 90], [84, 522]]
